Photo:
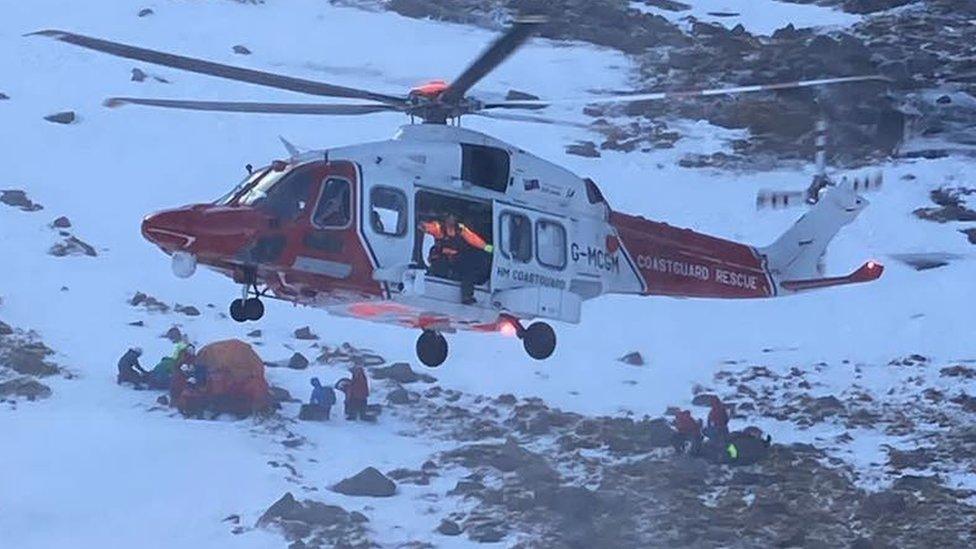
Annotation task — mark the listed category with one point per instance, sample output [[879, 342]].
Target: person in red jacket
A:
[[718, 420], [456, 253], [689, 430], [357, 394]]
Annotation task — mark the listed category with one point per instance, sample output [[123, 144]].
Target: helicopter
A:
[[339, 228]]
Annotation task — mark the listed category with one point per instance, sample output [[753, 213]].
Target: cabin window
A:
[[593, 193], [485, 166], [550, 242], [516, 235], [388, 211], [334, 208]]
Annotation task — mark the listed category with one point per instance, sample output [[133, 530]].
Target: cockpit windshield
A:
[[251, 178], [261, 187]]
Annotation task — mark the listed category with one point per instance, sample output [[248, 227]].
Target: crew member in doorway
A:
[[456, 253]]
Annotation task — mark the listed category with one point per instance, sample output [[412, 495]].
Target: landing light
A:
[[507, 328]]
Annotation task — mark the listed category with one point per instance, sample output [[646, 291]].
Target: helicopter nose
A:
[[170, 229]]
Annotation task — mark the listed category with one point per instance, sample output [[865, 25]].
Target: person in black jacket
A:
[[130, 371]]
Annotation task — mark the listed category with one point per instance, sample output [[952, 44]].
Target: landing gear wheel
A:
[[539, 340], [253, 309], [431, 348], [238, 310]]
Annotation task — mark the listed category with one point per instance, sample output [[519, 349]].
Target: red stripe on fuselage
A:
[[681, 262]]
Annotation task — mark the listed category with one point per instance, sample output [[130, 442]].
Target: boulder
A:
[[5, 329], [72, 246], [188, 310], [18, 199], [174, 334], [401, 372], [145, 12], [24, 387], [305, 333], [241, 50], [369, 483], [298, 362], [586, 149], [61, 223], [449, 528], [138, 75], [634, 359], [400, 396], [65, 117]]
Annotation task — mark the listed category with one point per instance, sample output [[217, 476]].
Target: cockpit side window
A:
[[334, 208]]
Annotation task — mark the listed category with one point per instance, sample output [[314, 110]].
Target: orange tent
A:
[[235, 381]]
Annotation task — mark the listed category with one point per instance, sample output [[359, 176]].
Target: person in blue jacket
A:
[[323, 397]]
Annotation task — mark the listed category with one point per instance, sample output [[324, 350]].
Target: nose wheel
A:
[[242, 310], [247, 308], [431, 348]]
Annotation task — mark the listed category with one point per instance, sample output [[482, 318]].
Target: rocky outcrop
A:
[[315, 524]]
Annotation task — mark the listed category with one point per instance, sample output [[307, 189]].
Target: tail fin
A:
[[796, 254]]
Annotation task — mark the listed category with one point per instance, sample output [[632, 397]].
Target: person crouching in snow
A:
[[357, 393], [323, 397], [718, 420], [130, 371], [689, 430]]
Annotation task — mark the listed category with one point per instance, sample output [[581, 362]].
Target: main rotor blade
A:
[[529, 118], [527, 104], [498, 51], [229, 72], [250, 107]]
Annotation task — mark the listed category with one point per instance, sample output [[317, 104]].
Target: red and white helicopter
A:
[[337, 228]]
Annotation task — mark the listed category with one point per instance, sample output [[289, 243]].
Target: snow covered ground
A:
[[94, 463], [757, 16]]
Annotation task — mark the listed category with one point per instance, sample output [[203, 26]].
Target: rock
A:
[[18, 199], [299, 519], [28, 359], [163, 400], [241, 50], [61, 223], [145, 12], [401, 372], [188, 310], [882, 505], [369, 482], [5, 329], [943, 100], [66, 117], [305, 333], [72, 246], [449, 528], [3, 96], [400, 396], [254, 333], [24, 387], [138, 75], [309, 412], [952, 371], [137, 324], [634, 359], [174, 334], [149, 302], [586, 149], [279, 395], [298, 362], [358, 517], [515, 95], [506, 399]]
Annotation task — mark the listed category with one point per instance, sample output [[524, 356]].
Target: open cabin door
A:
[[530, 277]]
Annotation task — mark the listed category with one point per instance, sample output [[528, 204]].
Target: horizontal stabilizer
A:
[[869, 271]]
